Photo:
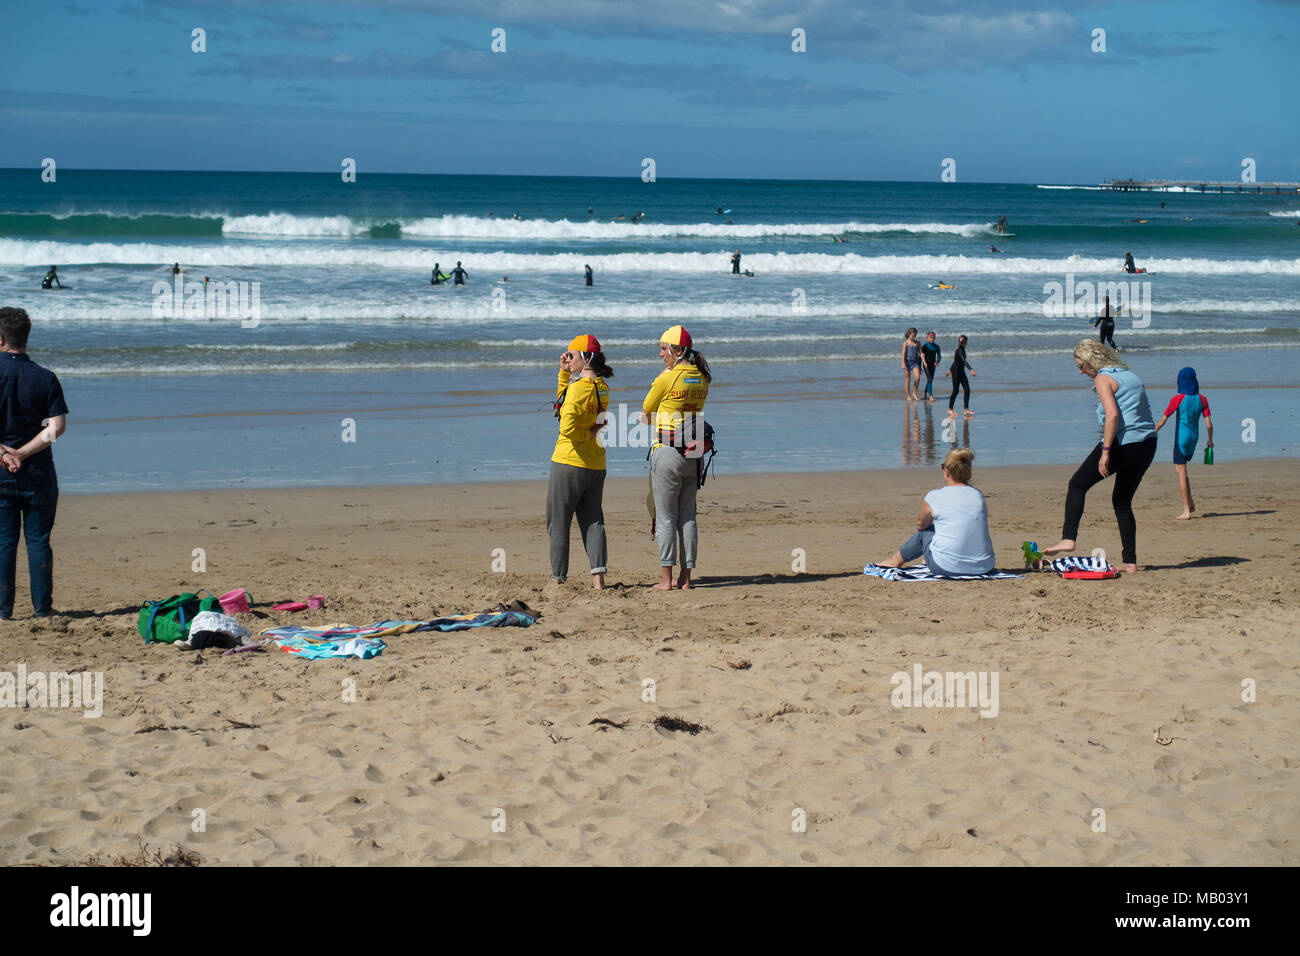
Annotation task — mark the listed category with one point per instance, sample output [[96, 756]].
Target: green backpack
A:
[[169, 621]]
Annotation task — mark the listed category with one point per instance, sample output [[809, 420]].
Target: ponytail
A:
[[599, 366], [697, 360]]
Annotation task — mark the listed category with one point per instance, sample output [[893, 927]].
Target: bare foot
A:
[[1128, 568], [1061, 547], [1184, 516], [664, 587], [684, 583], [931, 399], [598, 581], [951, 413], [969, 413]]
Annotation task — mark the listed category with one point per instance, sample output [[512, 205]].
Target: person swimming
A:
[[993, 248], [51, 279]]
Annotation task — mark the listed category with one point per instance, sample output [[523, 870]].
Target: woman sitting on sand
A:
[[1126, 449], [952, 530], [577, 481]]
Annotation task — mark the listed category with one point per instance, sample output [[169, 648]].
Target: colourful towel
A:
[[361, 647], [337, 632], [922, 573]]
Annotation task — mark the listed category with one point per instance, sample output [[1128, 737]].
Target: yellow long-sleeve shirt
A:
[[675, 392], [584, 399]]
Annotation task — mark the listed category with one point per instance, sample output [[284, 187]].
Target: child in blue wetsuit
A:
[[931, 355], [1189, 406]]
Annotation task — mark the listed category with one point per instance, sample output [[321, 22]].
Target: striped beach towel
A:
[[1082, 568], [922, 573]]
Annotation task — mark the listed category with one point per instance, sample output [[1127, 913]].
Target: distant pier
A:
[[1199, 186]]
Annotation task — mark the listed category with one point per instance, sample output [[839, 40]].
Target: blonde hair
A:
[[1097, 356], [957, 464]]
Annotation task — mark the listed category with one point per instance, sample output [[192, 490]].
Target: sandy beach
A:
[[1124, 696]]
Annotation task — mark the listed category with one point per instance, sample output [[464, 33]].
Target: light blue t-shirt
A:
[[961, 542], [1135, 421]]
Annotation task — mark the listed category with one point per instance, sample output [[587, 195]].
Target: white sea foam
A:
[[479, 309], [40, 253]]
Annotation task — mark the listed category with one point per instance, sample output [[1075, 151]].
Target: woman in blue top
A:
[[952, 530], [1126, 449]]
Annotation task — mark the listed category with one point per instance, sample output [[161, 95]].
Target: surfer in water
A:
[[1129, 265], [1002, 225], [51, 279], [993, 248], [458, 274], [176, 269], [1107, 322], [735, 263], [438, 277], [587, 274]]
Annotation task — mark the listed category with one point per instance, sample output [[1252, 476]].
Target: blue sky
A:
[[1012, 90]]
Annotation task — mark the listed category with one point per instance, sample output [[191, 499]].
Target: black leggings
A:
[[1128, 463], [959, 380], [1108, 334]]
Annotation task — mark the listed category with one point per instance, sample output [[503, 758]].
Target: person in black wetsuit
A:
[[1107, 323], [958, 372], [437, 274], [587, 274], [735, 263], [931, 355], [51, 279], [458, 274], [1129, 265], [176, 268]]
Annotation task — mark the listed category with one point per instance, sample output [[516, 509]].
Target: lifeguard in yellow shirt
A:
[[577, 481], [673, 407]]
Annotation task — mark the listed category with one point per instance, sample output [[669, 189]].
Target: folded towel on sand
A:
[[498, 618], [1071, 567], [922, 573]]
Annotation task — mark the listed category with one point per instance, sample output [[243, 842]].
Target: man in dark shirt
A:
[[32, 415], [735, 263]]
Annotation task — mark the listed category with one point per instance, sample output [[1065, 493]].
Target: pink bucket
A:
[[316, 601], [234, 602]]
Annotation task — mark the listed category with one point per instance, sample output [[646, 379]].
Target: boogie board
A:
[[54, 288]]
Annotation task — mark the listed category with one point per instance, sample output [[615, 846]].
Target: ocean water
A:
[[340, 335]]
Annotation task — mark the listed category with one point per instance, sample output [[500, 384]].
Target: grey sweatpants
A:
[[673, 478], [575, 490]]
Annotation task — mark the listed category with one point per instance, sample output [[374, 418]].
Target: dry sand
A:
[[790, 673]]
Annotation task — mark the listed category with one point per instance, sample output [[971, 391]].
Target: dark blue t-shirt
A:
[[29, 396]]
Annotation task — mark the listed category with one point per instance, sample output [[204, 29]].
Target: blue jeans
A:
[[32, 508], [918, 545]]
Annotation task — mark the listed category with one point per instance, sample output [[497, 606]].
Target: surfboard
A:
[[55, 288], [945, 288]]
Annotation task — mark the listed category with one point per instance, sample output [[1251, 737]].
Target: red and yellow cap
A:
[[678, 336], [584, 343]]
